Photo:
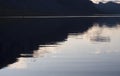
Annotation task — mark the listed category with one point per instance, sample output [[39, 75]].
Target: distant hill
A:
[[56, 7], [46, 7], [109, 7]]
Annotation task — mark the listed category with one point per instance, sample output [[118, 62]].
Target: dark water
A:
[[60, 47]]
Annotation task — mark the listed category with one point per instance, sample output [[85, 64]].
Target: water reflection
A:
[[79, 46], [20, 64], [97, 34]]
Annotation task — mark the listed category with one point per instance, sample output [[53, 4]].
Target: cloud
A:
[[105, 1]]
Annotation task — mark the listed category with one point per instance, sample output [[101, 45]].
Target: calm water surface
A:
[[90, 48]]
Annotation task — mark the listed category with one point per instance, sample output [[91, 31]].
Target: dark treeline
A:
[[56, 7], [46, 7], [108, 8]]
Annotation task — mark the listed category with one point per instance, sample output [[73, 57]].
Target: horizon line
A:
[[100, 16]]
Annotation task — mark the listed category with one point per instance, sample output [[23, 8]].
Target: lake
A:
[[87, 46]]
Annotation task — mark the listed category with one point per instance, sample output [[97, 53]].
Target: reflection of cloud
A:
[[103, 39], [100, 39], [96, 33], [105, 1], [42, 51], [104, 34], [20, 64]]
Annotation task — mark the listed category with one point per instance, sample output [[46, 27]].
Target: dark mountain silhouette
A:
[[46, 7], [23, 36], [109, 7]]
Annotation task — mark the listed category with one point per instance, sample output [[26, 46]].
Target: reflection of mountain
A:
[[23, 36], [109, 7], [46, 7]]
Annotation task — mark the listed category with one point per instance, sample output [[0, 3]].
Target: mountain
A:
[[46, 7], [109, 7]]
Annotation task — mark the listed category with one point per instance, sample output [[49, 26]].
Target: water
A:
[[60, 47]]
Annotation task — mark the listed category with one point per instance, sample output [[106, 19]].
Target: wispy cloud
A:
[[105, 1]]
